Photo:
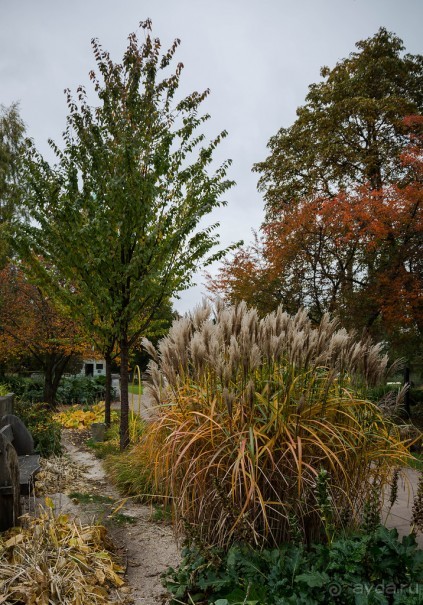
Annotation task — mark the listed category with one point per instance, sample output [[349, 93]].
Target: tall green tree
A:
[[351, 130], [11, 151], [118, 217]]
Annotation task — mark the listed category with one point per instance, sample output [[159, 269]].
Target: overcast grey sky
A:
[[257, 57]]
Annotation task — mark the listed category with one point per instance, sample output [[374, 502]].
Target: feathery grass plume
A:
[[251, 410], [392, 402]]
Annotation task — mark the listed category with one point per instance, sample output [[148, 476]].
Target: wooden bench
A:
[[18, 467]]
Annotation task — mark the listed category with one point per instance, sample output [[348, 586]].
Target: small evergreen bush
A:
[[81, 389], [38, 418], [25, 388], [74, 389]]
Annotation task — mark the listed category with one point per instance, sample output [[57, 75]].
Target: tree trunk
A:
[[124, 400], [108, 393], [53, 372], [48, 395]]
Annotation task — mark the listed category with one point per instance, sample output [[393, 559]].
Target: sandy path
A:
[[144, 405], [149, 546]]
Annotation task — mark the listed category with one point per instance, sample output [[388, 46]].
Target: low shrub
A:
[[375, 568], [82, 390], [72, 390], [41, 423], [250, 411], [111, 443], [26, 389], [82, 417]]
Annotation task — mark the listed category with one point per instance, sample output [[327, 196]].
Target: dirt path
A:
[[147, 546], [400, 516]]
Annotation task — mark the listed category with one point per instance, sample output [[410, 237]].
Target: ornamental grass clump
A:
[[250, 411]]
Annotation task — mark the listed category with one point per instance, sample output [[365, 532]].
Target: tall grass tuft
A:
[[130, 473], [251, 412]]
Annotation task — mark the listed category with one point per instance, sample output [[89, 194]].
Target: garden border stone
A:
[[6, 404]]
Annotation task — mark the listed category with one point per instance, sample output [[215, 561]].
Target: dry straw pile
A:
[[251, 410], [58, 474], [56, 560]]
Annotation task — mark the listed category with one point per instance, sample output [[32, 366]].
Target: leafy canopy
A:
[[118, 217], [32, 326], [350, 132], [117, 224], [357, 255], [343, 198]]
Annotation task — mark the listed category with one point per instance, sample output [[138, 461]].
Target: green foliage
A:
[[85, 498], [104, 506], [342, 188], [71, 390], [26, 389], [4, 390], [122, 519], [350, 131], [162, 513], [81, 389], [380, 392], [374, 568], [131, 473], [135, 389], [110, 445], [11, 152], [38, 418], [102, 449]]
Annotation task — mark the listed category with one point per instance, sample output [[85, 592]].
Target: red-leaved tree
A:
[[31, 327], [357, 254]]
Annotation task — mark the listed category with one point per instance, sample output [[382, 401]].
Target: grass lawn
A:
[[135, 388]]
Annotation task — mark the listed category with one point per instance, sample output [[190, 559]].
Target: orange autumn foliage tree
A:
[[30, 326], [358, 255]]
